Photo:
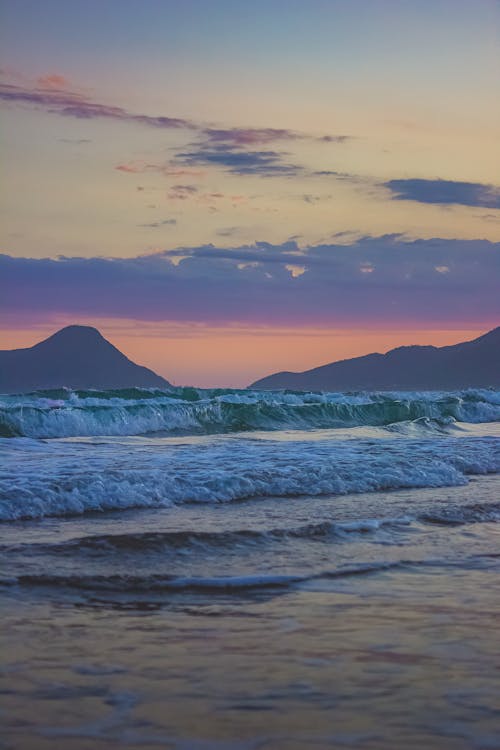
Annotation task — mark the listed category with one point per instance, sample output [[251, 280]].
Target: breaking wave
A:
[[48, 482], [66, 413]]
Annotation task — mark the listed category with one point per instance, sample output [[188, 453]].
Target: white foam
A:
[[48, 479], [100, 415], [371, 524]]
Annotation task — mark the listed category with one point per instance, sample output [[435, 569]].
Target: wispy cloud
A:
[[138, 167], [227, 231], [75, 141], [445, 192], [312, 199], [268, 163], [182, 192], [130, 168], [53, 81], [63, 101], [156, 224], [243, 137], [54, 93]]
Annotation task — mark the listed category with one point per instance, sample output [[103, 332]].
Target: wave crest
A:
[[61, 413]]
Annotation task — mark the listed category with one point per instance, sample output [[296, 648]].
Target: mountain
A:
[[76, 357], [471, 364]]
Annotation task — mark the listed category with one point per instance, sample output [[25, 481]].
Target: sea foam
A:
[[69, 413], [54, 478]]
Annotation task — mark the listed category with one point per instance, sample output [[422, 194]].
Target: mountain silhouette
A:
[[471, 364], [75, 357]]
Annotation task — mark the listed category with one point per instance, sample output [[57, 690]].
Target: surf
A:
[[67, 413]]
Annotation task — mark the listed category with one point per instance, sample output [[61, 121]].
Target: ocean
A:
[[231, 569]]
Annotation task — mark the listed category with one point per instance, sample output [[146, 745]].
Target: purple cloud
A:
[[237, 161], [72, 104], [53, 93], [231, 149], [445, 192], [243, 137], [249, 136], [381, 280]]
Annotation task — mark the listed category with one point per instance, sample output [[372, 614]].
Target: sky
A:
[[226, 189]]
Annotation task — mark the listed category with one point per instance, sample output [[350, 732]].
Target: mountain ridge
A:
[[468, 364], [75, 357]]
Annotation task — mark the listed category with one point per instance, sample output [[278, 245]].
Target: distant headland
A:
[[74, 357], [80, 357], [471, 364]]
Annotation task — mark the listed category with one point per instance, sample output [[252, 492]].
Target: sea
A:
[[239, 570]]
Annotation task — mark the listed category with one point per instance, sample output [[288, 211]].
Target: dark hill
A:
[[76, 357], [472, 364]]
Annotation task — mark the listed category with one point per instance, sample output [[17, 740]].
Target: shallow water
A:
[[324, 588]]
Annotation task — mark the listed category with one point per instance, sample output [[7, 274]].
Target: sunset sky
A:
[[230, 188]]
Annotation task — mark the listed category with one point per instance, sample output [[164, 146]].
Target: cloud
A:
[[235, 150], [235, 160], [243, 137], [227, 231], [376, 280], [312, 199], [53, 81], [328, 173], [75, 141], [239, 151], [54, 93], [63, 101], [445, 192], [182, 192], [156, 224], [228, 157], [249, 136], [130, 168], [356, 179], [335, 138]]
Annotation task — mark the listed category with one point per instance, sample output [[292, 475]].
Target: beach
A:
[[199, 570], [250, 376]]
